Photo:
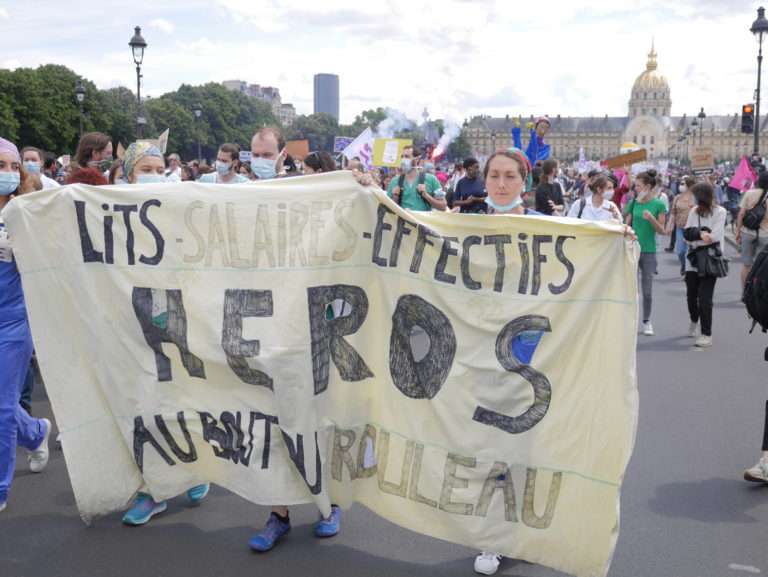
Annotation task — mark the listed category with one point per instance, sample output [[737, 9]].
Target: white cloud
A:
[[163, 25], [11, 64], [4, 14]]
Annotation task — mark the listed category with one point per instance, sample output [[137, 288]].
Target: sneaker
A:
[[487, 563], [3, 505], [198, 493], [758, 473], [648, 329], [704, 341], [693, 330], [38, 459], [270, 534], [330, 526], [143, 509]]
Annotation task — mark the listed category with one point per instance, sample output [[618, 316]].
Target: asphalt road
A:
[[685, 510]]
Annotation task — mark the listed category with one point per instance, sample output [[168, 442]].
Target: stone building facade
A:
[[648, 125]]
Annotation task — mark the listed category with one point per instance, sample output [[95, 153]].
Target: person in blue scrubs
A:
[[16, 426], [144, 164]]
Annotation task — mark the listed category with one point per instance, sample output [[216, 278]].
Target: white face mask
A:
[[152, 178], [608, 194], [682, 188]]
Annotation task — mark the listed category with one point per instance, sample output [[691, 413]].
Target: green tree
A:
[[319, 129], [120, 110], [459, 149]]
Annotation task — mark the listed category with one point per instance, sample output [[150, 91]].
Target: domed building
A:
[[648, 125]]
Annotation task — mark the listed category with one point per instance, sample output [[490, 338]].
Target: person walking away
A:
[[646, 214], [705, 231]]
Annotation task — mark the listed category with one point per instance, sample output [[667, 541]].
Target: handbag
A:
[[708, 260]]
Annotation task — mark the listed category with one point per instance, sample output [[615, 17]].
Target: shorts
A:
[[750, 248]]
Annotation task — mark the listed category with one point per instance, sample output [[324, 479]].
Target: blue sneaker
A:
[[330, 526], [270, 534], [143, 509], [197, 494]]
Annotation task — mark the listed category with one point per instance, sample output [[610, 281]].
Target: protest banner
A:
[[362, 148], [298, 149], [387, 151], [625, 159], [245, 156], [184, 336], [702, 160], [340, 143]]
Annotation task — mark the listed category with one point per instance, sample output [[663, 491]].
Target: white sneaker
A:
[[487, 563], [693, 330], [757, 474], [3, 505], [648, 329], [703, 342], [38, 459]]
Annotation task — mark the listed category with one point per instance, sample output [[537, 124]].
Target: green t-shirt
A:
[[410, 197], [646, 234]]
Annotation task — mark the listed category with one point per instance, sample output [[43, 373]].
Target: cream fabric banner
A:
[[303, 340]]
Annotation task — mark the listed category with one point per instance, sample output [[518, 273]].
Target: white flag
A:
[[361, 147]]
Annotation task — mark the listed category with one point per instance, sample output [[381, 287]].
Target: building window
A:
[[642, 138], [654, 112], [653, 140], [654, 96], [643, 111]]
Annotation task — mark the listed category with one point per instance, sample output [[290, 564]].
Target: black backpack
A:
[[401, 182], [755, 295], [582, 204], [753, 218]]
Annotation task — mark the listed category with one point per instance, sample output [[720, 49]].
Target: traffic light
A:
[[748, 118]]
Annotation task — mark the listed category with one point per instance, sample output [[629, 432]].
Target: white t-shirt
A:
[[48, 182], [603, 212], [213, 178]]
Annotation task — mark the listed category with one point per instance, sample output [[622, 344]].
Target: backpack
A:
[[755, 295], [753, 218], [401, 182]]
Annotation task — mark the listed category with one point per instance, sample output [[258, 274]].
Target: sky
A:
[[457, 58]]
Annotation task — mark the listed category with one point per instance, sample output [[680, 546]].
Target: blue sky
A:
[[456, 57]]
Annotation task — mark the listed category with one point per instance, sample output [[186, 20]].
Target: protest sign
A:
[[340, 143], [387, 151], [245, 156], [625, 159], [198, 347], [298, 149], [702, 160]]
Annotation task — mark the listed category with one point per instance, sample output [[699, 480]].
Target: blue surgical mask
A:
[[406, 164], [264, 168], [153, 178], [223, 167], [9, 182], [503, 207], [32, 167], [429, 167]]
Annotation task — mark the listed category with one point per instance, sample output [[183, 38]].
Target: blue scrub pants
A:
[[681, 248], [16, 426]]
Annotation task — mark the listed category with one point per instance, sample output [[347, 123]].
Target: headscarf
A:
[[8, 147], [136, 151]]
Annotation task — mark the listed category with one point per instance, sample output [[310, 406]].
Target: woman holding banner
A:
[[144, 164], [16, 426]]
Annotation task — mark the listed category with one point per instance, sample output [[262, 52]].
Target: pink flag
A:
[[744, 177]]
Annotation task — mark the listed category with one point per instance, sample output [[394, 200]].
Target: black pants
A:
[[699, 292], [672, 238]]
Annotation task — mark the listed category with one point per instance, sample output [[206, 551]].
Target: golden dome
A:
[[650, 79]]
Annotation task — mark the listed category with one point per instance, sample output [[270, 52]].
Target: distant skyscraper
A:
[[327, 94]]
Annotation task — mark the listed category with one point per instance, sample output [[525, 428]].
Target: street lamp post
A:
[[80, 96], [138, 44], [702, 116], [695, 125], [493, 143], [759, 27], [197, 109]]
